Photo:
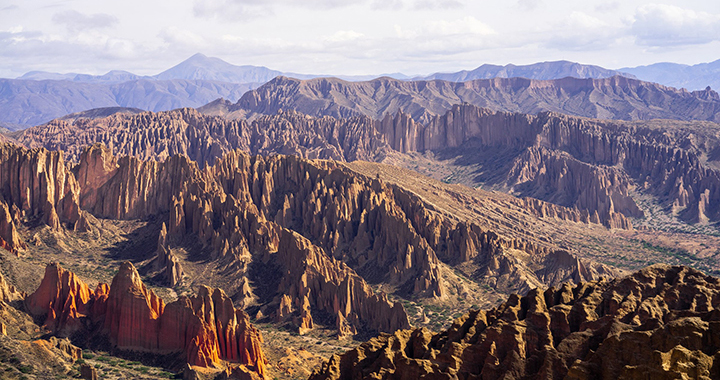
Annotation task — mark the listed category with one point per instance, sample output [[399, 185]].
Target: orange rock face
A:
[[63, 298], [206, 328]]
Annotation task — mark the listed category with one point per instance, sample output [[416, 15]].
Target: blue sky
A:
[[351, 37]]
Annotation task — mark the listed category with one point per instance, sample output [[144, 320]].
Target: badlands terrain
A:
[[318, 228]]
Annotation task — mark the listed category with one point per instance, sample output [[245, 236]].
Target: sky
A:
[[351, 37]]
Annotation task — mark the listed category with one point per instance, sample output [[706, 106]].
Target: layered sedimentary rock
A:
[[39, 184], [206, 328], [660, 322]]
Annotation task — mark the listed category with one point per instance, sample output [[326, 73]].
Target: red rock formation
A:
[[657, 323], [133, 311], [62, 299], [206, 328]]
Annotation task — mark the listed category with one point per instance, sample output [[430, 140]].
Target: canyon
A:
[[598, 167], [509, 228]]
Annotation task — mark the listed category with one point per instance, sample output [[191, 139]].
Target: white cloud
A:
[[467, 26], [76, 21], [667, 25], [580, 31], [528, 5], [245, 9], [344, 36]]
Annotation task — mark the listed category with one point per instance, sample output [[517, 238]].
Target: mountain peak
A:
[[202, 67]]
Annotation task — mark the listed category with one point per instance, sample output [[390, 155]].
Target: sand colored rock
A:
[[657, 323], [165, 261], [9, 236], [39, 184], [8, 293]]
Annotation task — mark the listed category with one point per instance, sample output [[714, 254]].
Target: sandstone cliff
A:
[[657, 323], [206, 328], [39, 184]]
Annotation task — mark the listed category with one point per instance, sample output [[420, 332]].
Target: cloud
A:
[[246, 9], [607, 6], [76, 21], [658, 25], [580, 31], [529, 5], [344, 36]]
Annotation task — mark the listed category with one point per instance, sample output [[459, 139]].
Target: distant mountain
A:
[[609, 98], [696, 77], [114, 76], [25, 103], [200, 67], [542, 70]]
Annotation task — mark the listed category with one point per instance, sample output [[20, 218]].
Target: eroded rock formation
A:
[[249, 212], [206, 328], [39, 184], [660, 322], [591, 165]]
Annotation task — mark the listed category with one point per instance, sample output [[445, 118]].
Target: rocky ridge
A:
[[616, 97], [206, 328], [660, 322], [590, 165]]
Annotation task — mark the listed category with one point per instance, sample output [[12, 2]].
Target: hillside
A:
[[540, 70], [610, 98]]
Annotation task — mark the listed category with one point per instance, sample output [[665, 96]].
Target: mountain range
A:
[[37, 97]]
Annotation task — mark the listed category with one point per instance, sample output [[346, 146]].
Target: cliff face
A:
[[206, 328], [658, 322], [39, 185], [62, 298]]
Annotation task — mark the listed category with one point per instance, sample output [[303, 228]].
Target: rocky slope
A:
[[660, 322], [609, 98], [316, 228], [206, 328], [591, 165], [540, 70]]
